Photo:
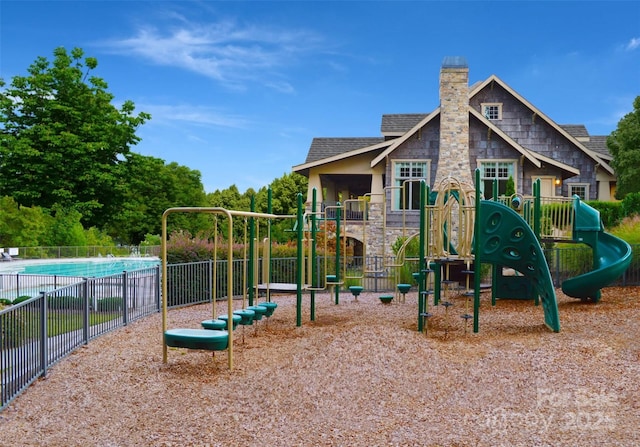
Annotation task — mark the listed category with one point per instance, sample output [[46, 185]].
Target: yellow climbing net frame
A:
[[450, 221]]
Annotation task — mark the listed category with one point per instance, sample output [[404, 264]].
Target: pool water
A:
[[84, 268]]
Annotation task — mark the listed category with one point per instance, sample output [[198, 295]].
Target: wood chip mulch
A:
[[359, 375]]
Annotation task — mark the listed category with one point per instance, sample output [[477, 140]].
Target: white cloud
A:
[[633, 44], [195, 115], [225, 51]]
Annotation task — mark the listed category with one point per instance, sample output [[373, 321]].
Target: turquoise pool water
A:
[[84, 268]]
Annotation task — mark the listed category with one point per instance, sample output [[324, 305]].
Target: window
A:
[[499, 171], [579, 189], [492, 111], [406, 182]]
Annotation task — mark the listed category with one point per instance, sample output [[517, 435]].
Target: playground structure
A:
[[459, 231], [217, 333], [459, 228]]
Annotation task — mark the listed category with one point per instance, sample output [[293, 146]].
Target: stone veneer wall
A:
[[454, 125], [374, 230], [377, 235]]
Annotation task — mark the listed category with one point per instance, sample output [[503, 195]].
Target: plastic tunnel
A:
[[611, 255]]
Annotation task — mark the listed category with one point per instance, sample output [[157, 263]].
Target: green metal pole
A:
[[477, 260], [421, 254], [537, 212], [299, 264], [338, 218], [270, 211], [252, 235], [314, 267]]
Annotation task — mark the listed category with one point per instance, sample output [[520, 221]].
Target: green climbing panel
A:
[[506, 239]]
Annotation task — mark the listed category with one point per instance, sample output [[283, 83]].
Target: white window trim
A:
[[586, 189], [513, 161], [395, 205], [491, 104]]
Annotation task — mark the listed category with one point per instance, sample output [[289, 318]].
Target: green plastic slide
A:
[[611, 255]]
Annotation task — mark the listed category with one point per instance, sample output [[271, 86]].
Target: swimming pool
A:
[[93, 267]]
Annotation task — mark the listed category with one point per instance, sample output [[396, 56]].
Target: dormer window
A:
[[492, 111]]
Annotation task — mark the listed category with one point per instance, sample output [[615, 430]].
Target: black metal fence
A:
[[38, 332], [84, 251]]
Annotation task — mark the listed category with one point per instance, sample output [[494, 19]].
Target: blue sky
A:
[[238, 89]]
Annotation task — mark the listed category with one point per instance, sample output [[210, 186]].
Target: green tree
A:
[[510, 187], [284, 201], [21, 226], [624, 145], [66, 229], [62, 139], [151, 186]]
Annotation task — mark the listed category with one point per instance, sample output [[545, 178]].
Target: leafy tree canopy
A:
[[151, 187], [284, 201], [62, 139], [624, 145]]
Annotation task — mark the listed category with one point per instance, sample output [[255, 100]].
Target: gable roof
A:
[[397, 125], [590, 153], [398, 141], [326, 150], [322, 148], [578, 131], [397, 128], [598, 143]]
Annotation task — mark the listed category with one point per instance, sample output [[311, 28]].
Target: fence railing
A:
[[82, 251], [38, 332]]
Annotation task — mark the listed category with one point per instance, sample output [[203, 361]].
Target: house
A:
[[487, 125]]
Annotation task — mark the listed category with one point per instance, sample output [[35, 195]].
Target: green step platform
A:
[[214, 325], [247, 316], [197, 339], [271, 307]]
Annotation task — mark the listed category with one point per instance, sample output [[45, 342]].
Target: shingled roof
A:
[[598, 143], [322, 148], [578, 131], [398, 124]]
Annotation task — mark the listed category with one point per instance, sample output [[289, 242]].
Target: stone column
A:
[[454, 121]]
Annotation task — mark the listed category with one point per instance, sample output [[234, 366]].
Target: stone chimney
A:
[[454, 121]]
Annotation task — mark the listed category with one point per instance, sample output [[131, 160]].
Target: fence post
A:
[[44, 354], [125, 298], [158, 289], [375, 275], [85, 317]]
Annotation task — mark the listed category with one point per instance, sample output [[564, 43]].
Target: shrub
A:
[[631, 204], [576, 259], [110, 304], [555, 214], [65, 302], [611, 213], [21, 298], [5, 302], [13, 328]]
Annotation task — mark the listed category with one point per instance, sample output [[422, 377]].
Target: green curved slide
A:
[[611, 255], [506, 239]]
